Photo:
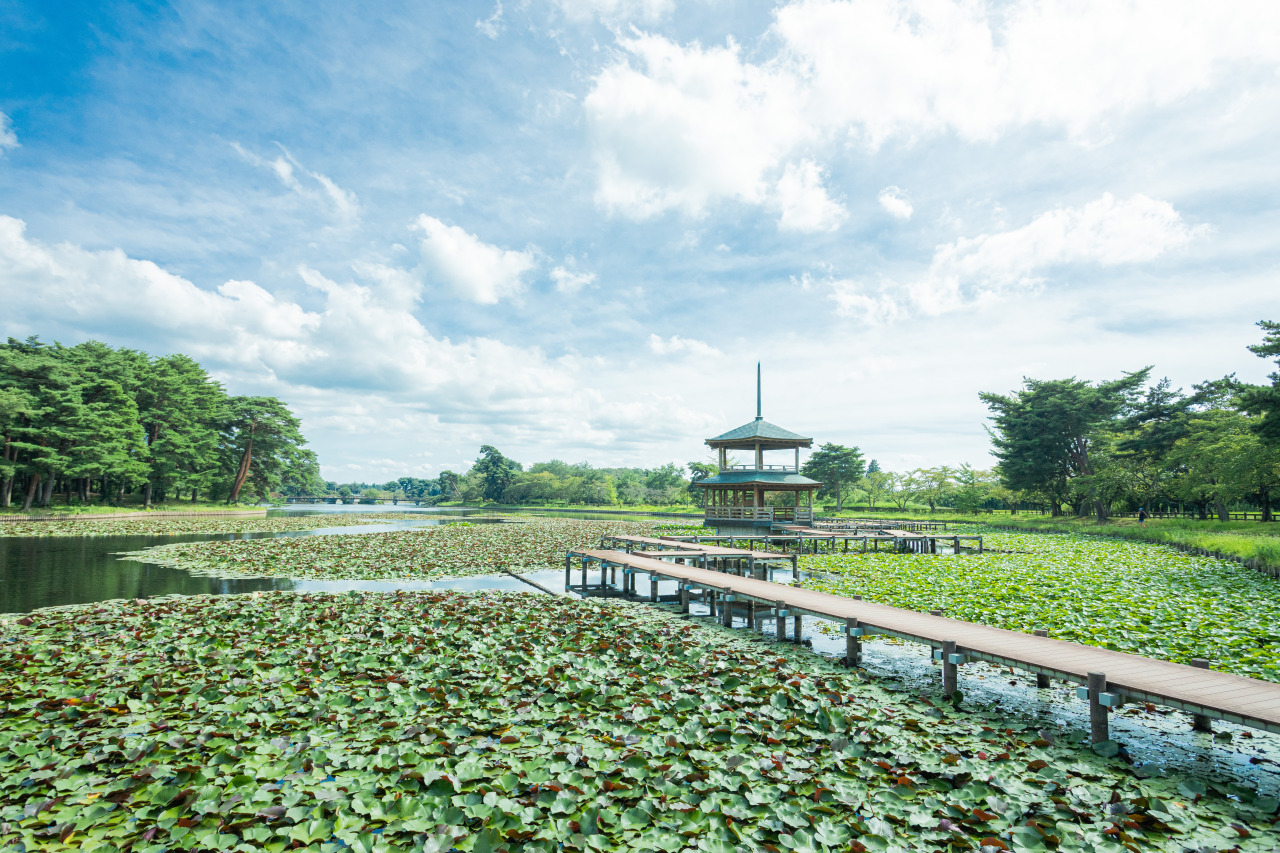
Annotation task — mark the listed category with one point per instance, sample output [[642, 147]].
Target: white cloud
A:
[[804, 201], [315, 188], [492, 25], [896, 203], [688, 126], [474, 269], [676, 345], [681, 126], [612, 11], [1105, 232], [570, 281], [8, 139]]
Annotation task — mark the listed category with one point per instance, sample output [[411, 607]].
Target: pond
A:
[[49, 571]]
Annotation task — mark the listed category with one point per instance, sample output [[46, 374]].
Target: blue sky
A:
[[570, 228]]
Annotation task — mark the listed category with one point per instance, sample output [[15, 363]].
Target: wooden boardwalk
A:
[[729, 558], [1109, 677], [902, 540]]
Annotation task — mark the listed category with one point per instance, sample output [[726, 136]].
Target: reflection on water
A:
[[49, 571]]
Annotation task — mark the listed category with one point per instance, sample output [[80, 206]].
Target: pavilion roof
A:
[[758, 478], [769, 436]]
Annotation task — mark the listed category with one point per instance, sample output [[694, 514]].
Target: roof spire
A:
[[759, 416]]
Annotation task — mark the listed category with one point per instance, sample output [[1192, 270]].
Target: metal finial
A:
[[758, 415]]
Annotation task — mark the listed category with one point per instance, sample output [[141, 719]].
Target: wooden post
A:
[[684, 597], [781, 610], [568, 560], [727, 607], [584, 575], [751, 615], [711, 601], [653, 588], [797, 626], [852, 644], [949, 669], [1097, 685], [1042, 680], [935, 612], [1199, 722]]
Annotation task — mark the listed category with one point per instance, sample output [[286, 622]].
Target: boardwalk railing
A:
[[1108, 678]]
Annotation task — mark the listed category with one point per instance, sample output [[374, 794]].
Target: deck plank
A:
[[1254, 700]]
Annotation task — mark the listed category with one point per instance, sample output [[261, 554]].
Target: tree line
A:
[[1128, 443], [93, 422], [495, 477]]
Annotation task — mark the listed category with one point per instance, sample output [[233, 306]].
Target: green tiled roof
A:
[[764, 478], [760, 429]]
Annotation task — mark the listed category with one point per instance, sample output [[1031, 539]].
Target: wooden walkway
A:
[[726, 557], [803, 536], [1109, 677], [838, 524]]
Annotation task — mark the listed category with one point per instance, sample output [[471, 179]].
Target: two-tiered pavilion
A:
[[740, 494]]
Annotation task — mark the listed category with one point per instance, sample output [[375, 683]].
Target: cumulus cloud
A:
[[681, 126], [492, 25], [612, 11], [675, 127], [676, 345], [306, 184], [474, 269], [1105, 232], [364, 336], [569, 281], [804, 201], [8, 139], [896, 203]]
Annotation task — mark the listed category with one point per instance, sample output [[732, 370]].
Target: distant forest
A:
[[90, 423]]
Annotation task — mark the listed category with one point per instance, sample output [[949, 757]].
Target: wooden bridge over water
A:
[[730, 582]]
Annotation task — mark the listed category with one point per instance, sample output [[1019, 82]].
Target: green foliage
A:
[[437, 721], [90, 415], [837, 467], [1128, 596], [1264, 400], [1044, 434], [87, 525]]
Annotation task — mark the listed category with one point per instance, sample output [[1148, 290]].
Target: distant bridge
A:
[[353, 499]]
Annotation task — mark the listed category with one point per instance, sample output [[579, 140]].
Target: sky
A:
[[571, 228]]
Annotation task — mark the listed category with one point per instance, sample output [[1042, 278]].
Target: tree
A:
[[494, 471], [699, 471], [874, 485], [264, 435], [1264, 400], [902, 488], [447, 483], [936, 485], [1044, 433], [837, 467]]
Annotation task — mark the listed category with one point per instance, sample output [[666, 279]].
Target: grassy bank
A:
[[1251, 542], [76, 509]]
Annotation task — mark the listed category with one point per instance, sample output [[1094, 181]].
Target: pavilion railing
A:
[[761, 513], [785, 469]]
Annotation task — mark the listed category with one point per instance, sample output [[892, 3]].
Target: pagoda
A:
[[739, 495]]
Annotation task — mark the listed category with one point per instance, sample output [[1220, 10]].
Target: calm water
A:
[[46, 571]]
